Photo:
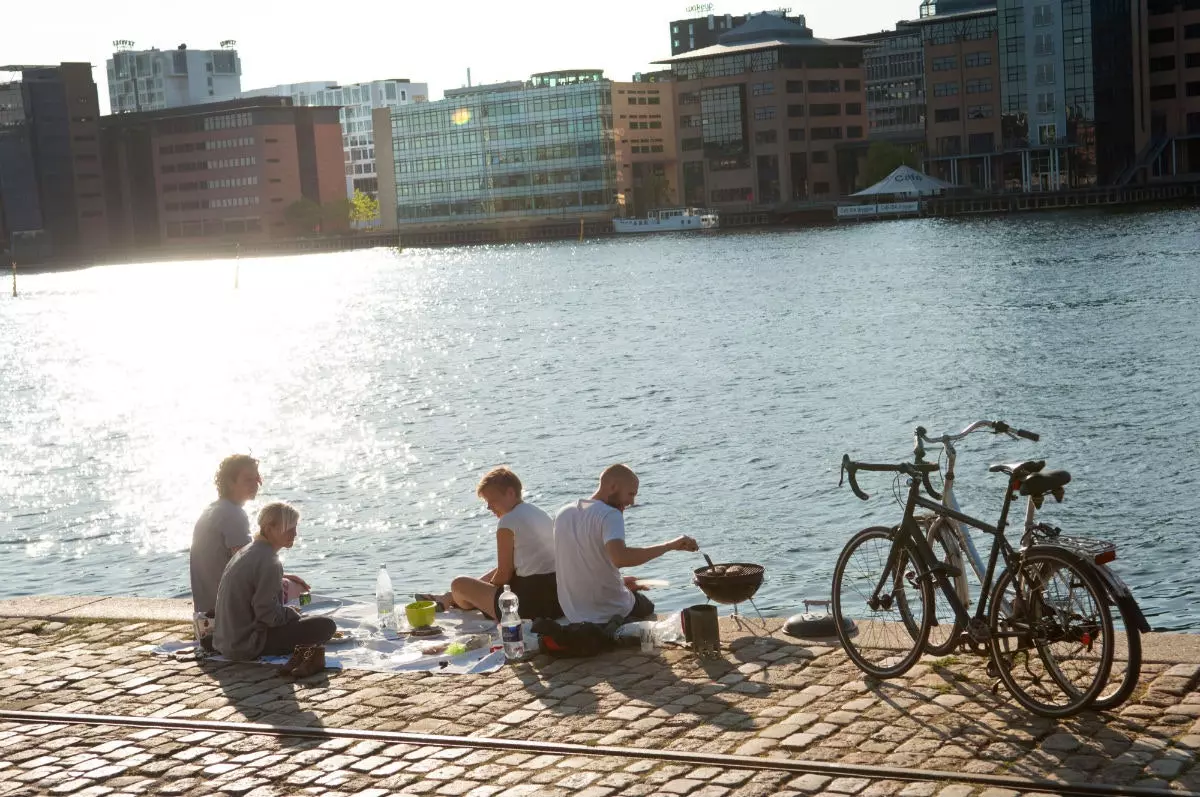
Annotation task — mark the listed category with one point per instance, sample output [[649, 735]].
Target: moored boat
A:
[[670, 220]]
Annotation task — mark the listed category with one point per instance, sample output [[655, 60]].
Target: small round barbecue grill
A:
[[729, 583]]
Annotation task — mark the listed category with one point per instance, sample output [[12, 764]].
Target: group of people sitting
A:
[[568, 566]]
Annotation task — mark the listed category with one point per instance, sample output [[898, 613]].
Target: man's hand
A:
[[299, 581], [684, 543], [631, 584]]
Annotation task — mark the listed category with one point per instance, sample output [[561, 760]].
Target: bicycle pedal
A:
[[950, 571]]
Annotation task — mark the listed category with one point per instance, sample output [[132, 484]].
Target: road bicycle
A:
[[1045, 623], [951, 543]]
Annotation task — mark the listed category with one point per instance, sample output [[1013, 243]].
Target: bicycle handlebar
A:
[[997, 427], [850, 467]]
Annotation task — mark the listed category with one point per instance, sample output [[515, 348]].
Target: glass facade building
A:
[[527, 150]]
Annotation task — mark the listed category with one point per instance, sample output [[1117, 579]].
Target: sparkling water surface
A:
[[731, 370]]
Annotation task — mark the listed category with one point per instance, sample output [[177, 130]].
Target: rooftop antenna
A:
[[468, 77]]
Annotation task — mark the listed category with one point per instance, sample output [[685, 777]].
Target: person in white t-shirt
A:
[[524, 556], [590, 549]]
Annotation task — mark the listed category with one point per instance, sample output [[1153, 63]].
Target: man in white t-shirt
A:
[[589, 549]]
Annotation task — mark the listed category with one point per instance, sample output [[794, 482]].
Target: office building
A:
[[645, 144], [895, 78], [696, 33], [769, 114], [962, 94], [1173, 41], [50, 166], [529, 151], [219, 172], [357, 102], [151, 80]]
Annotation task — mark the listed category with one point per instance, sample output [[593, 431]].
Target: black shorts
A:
[[643, 608], [537, 596]]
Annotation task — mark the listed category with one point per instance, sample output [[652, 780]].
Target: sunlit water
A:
[[731, 371]]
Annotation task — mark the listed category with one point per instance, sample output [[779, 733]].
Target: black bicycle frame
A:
[[909, 535]]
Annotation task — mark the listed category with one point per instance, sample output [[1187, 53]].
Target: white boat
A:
[[670, 220]]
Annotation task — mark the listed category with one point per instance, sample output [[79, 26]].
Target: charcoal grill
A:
[[730, 583]]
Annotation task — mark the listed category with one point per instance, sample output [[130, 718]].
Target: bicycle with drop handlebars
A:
[[952, 544], [1044, 622]]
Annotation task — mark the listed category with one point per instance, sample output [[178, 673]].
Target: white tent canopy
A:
[[908, 182]]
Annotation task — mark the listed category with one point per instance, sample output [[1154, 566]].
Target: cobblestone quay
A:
[[768, 696]]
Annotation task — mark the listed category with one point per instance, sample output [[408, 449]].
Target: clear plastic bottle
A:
[[385, 599], [512, 633]]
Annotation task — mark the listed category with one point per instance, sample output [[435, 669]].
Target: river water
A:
[[730, 370]]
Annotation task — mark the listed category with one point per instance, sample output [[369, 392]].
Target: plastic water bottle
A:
[[385, 599], [512, 634]]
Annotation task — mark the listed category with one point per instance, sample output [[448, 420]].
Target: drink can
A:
[[305, 598]]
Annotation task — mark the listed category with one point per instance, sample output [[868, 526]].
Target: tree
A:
[[303, 215], [363, 208], [335, 215], [884, 158]]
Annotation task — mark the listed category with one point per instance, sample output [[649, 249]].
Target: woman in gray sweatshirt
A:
[[251, 619]]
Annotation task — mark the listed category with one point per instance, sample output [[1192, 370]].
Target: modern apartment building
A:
[[769, 114], [151, 80], [645, 147], [895, 80], [219, 172], [696, 33], [1173, 41], [962, 90], [527, 151], [357, 102], [50, 165]]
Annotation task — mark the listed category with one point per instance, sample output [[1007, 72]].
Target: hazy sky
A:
[[433, 42]]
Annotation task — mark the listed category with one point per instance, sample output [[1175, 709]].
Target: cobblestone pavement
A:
[[765, 697]]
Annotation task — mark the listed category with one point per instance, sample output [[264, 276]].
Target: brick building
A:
[[644, 144]]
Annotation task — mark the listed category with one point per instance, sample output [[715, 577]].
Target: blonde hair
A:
[[501, 478], [618, 474], [277, 514], [228, 471]]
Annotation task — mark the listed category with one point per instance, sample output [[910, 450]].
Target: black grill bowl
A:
[[723, 587]]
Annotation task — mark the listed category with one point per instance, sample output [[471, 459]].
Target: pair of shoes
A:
[[301, 653], [442, 605], [313, 663]]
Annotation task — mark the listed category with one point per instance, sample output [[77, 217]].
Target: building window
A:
[[796, 134], [944, 63], [765, 137], [1166, 92], [1161, 35], [826, 133], [979, 112], [795, 87], [1045, 74], [1042, 16], [1192, 89], [824, 87], [765, 112], [1045, 102], [979, 86], [853, 85], [1192, 31], [854, 131], [946, 115], [824, 109], [1047, 134], [981, 58], [759, 89], [1043, 44], [945, 89], [1164, 63], [949, 145], [1192, 60], [795, 111], [691, 144], [854, 109]]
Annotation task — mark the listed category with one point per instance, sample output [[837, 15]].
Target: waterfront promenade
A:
[[795, 714]]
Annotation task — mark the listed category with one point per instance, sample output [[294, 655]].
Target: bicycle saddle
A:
[[1037, 484], [1019, 469]]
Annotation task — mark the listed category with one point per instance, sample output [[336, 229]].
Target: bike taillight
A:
[[1106, 556]]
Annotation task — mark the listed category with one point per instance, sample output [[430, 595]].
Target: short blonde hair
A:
[[501, 478], [277, 514]]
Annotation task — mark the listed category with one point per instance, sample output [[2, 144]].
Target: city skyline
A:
[[494, 43]]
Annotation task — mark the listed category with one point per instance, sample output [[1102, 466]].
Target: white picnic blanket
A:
[[364, 646]]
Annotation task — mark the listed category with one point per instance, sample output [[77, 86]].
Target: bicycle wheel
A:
[[1052, 633], [1127, 661], [945, 629], [882, 645]]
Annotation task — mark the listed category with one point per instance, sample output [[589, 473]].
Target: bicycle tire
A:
[[1043, 617], [1130, 656], [880, 644], [945, 628]]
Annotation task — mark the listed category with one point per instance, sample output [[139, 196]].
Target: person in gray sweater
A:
[[251, 618]]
